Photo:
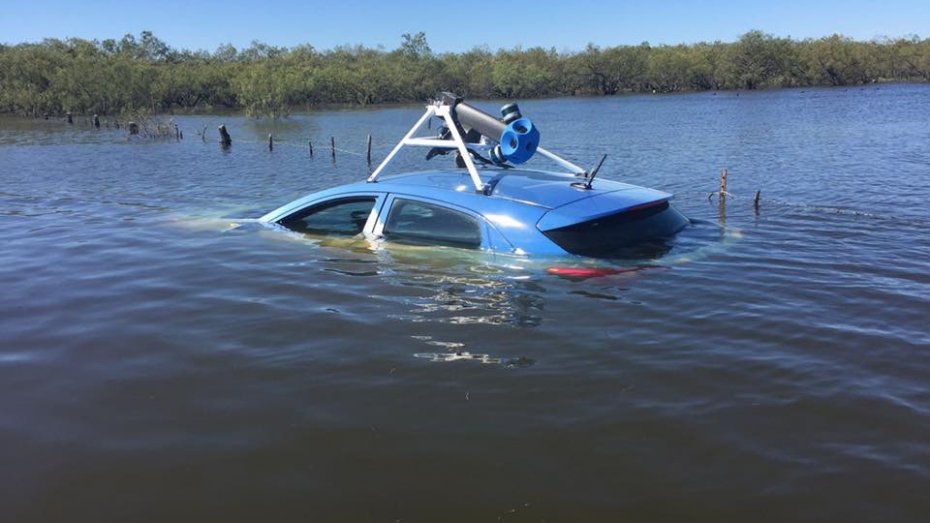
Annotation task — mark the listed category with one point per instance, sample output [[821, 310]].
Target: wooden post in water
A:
[[203, 134], [722, 199], [177, 133], [332, 147], [70, 119], [116, 123], [755, 201], [368, 157], [133, 128], [270, 142], [722, 211], [96, 121], [310, 144], [225, 140]]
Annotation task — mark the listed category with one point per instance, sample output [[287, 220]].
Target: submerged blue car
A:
[[497, 207]]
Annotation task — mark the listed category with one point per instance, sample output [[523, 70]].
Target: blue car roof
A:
[[535, 193], [548, 190]]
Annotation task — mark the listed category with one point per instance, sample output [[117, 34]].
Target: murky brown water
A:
[[156, 365]]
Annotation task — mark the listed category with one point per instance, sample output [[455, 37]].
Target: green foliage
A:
[[752, 61], [144, 73], [524, 74]]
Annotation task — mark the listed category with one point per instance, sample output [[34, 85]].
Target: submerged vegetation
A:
[[131, 74]]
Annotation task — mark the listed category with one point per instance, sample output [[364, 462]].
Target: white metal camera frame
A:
[[444, 111]]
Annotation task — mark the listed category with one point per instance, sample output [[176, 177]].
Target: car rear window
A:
[[613, 235], [424, 223]]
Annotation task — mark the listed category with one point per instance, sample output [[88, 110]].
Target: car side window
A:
[[343, 217], [423, 223]]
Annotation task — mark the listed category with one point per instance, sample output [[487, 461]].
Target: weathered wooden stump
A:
[[368, 156], [722, 211], [332, 147], [723, 183], [270, 142], [225, 140], [310, 144]]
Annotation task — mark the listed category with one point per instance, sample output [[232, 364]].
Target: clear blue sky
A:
[[456, 25]]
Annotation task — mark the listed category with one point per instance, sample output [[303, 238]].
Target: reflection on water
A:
[[465, 294], [487, 359]]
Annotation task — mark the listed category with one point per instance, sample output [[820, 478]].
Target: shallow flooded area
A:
[[161, 360]]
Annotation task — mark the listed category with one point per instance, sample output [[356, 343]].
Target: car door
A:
[[421, 221]]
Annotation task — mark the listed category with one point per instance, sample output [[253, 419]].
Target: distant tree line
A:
[[136, 73]]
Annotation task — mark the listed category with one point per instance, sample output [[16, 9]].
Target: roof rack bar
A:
[[561, 161], [436, 142], [430, 111]]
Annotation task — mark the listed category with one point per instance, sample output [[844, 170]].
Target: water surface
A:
[[157, 364]]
